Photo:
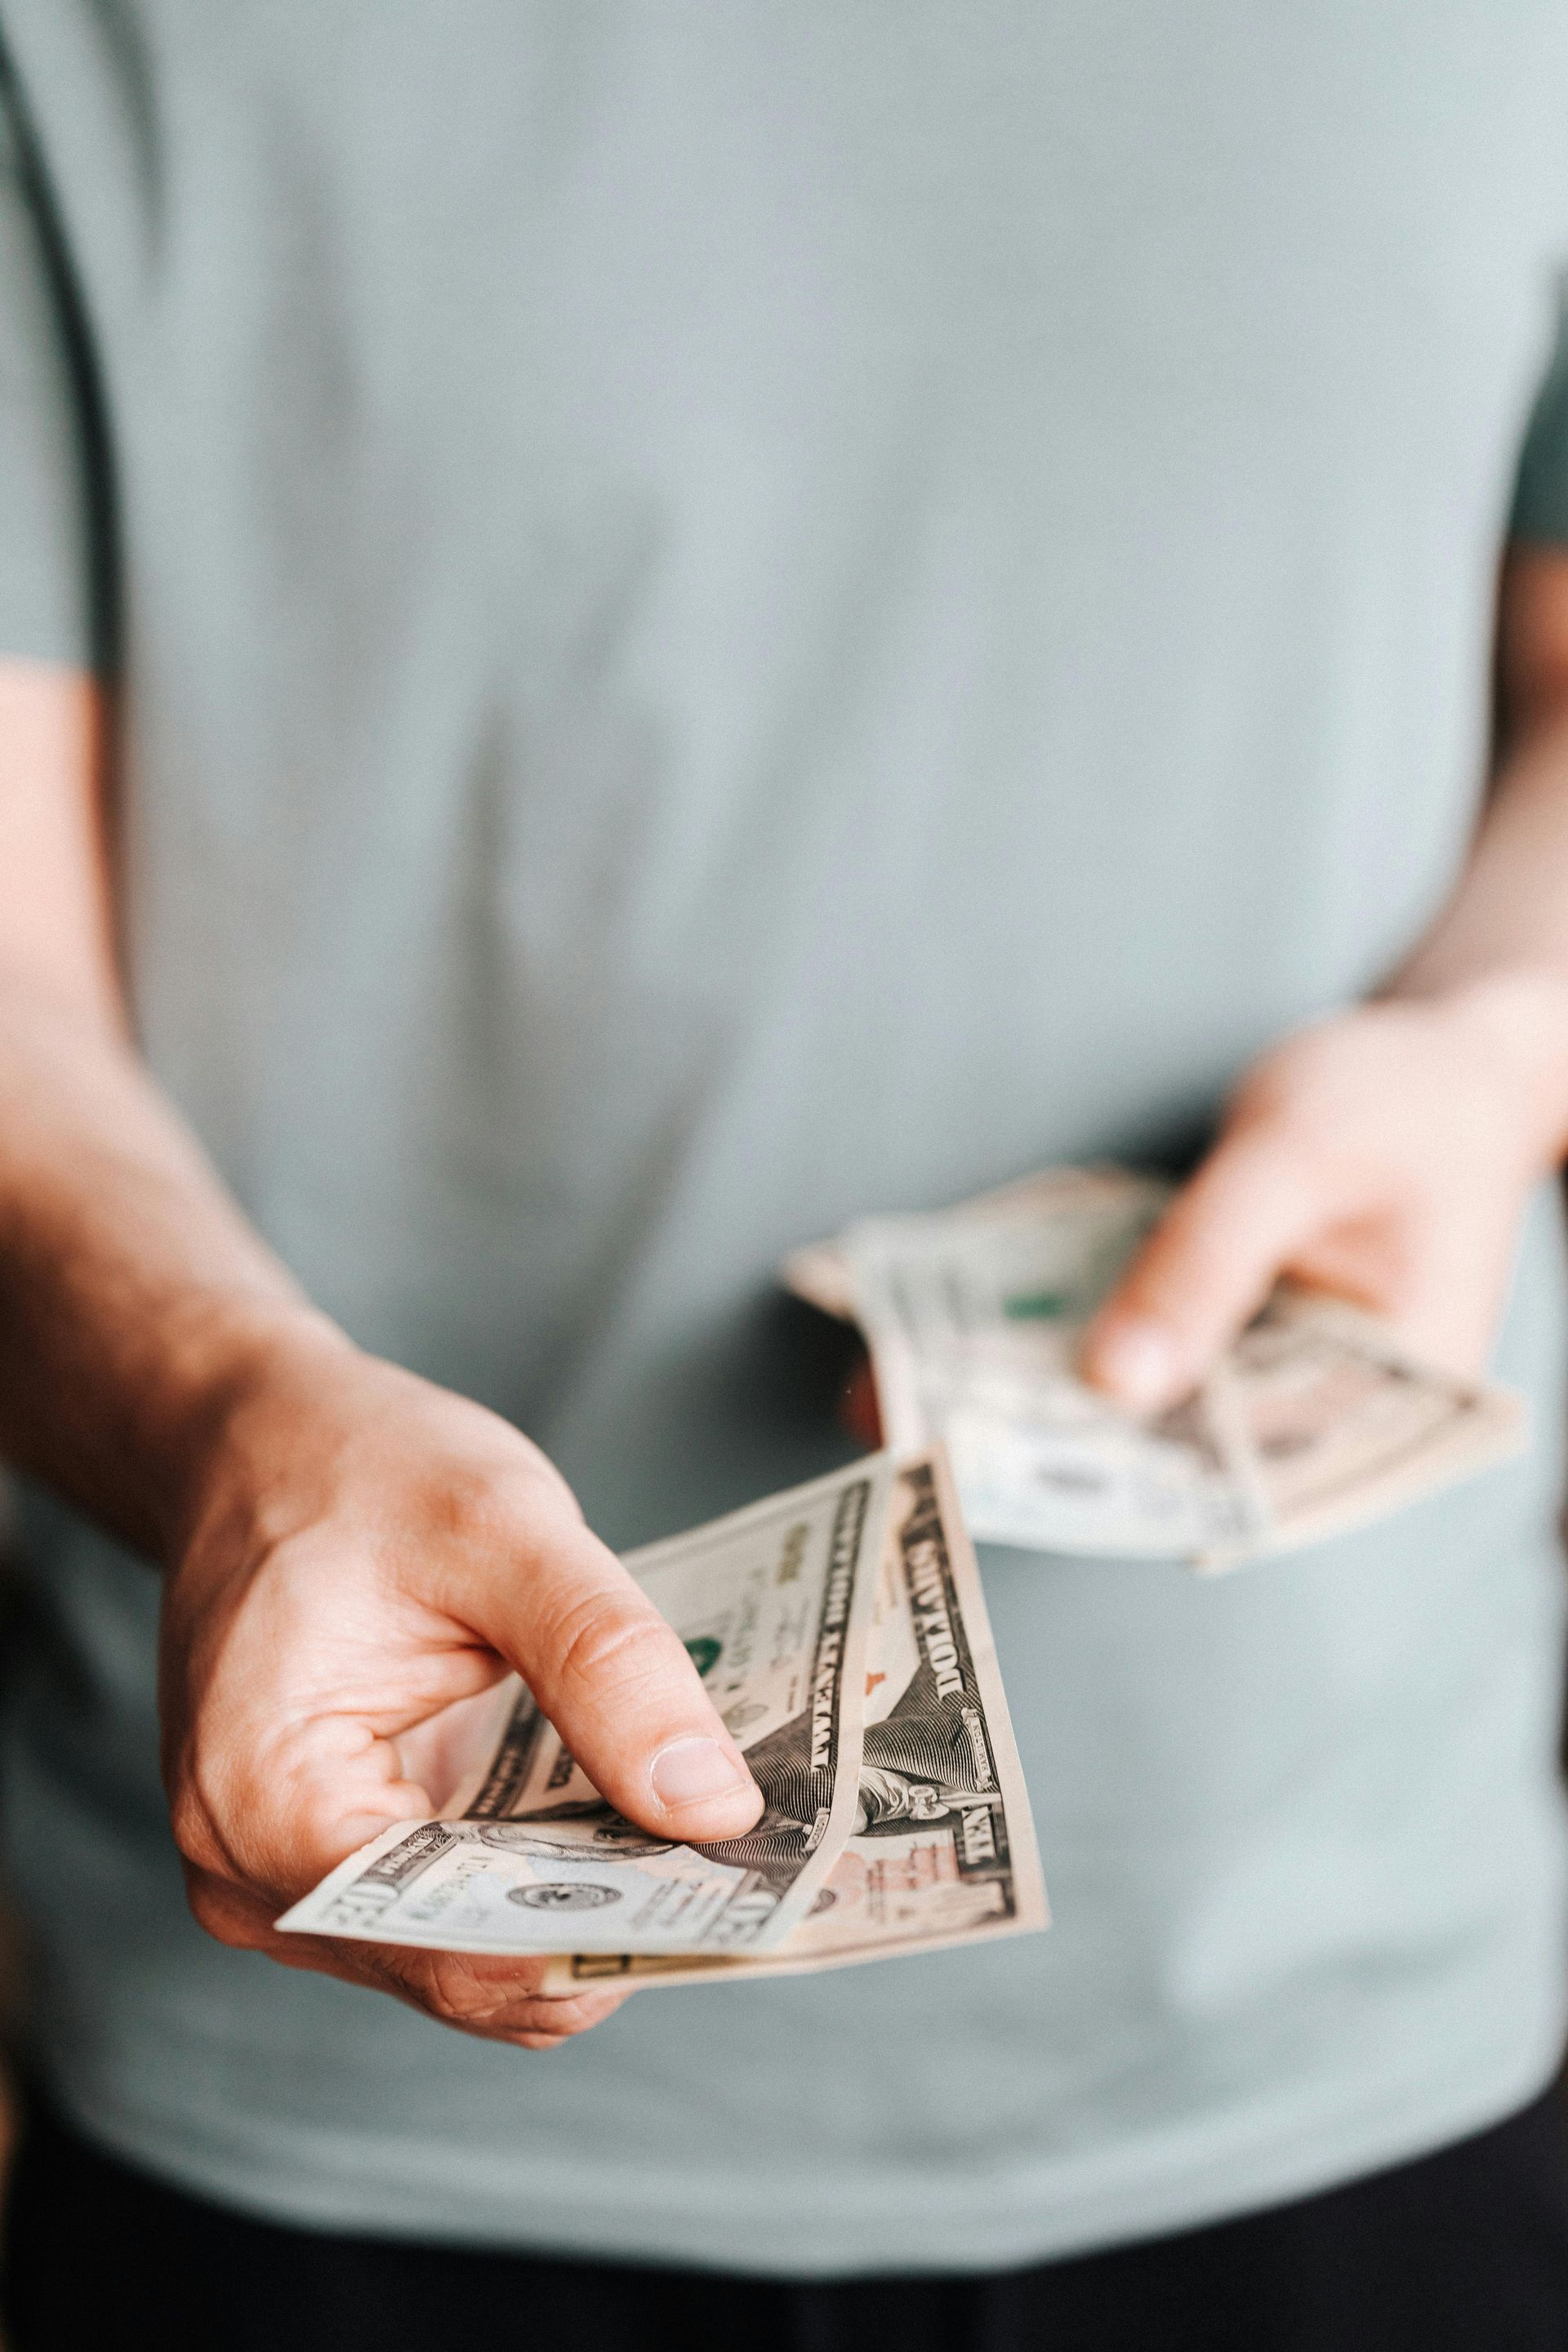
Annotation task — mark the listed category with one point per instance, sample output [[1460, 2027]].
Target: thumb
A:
[[1203, 1271], [616, 1681]]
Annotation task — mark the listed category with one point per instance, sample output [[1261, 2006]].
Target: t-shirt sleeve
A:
[[1541, 492], [48, 603]]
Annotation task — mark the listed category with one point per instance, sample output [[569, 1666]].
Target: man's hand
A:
[[351, 1552], [364, 1553], [1384, 1155]]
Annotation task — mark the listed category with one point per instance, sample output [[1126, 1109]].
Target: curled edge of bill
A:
[[1500, 1432], [1494, 1426], [1030, 1912], [819, 1272]]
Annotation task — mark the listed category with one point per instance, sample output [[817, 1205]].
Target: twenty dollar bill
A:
[[942, 1851]]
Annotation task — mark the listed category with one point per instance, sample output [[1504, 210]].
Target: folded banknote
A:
[[1313, 1422]]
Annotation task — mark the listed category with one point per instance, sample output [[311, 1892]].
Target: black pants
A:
[[1462, 2252]]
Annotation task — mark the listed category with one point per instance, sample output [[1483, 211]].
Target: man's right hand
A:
[[362, 1552], [350, 1551]]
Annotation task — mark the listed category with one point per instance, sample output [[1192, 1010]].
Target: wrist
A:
[[230, 1362], [1511, 1023]]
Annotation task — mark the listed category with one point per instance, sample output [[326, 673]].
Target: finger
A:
[[497, 1998], [1205, 1270], [485, 1993], [859, 1409], [616, 1682], [275, 1812], [547, 2015]]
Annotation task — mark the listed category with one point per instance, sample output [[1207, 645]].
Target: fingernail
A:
[[688, 1770], [1138, 1360]]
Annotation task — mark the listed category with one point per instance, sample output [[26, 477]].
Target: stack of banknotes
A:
[[1313, 1423], [841, 1632]]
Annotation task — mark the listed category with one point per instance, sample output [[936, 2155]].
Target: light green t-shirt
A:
[[726, 617]]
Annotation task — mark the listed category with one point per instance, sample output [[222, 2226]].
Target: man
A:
[[701, 621]]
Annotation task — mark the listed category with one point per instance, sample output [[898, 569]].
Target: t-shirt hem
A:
[[313, 2185]]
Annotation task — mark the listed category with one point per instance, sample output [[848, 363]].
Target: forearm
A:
[[135, 1301], [1385, 1154], [1496, 956], [1510, 911]]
